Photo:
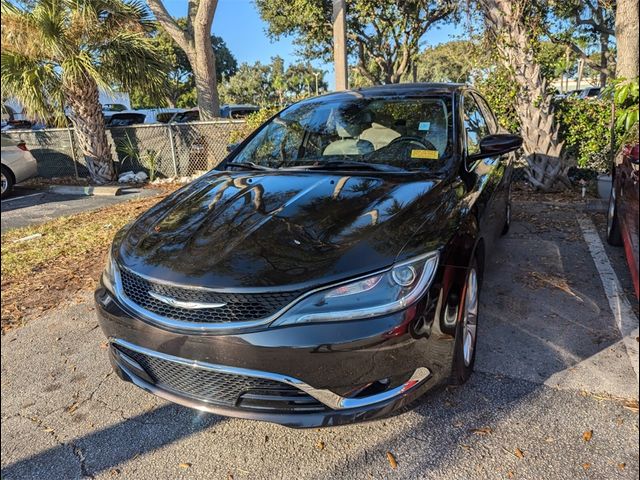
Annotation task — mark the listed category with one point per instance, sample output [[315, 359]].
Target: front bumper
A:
[[330, 374]]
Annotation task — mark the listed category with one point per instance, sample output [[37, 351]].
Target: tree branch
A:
[[182, 38]]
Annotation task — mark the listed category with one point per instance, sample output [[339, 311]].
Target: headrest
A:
[[348, 130]]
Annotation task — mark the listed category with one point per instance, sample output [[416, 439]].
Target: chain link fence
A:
[[160, 150]]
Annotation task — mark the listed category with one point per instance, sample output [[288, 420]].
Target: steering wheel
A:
[[417, 140]]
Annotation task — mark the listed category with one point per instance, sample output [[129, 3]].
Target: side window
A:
[[475, 125], [488, 114]]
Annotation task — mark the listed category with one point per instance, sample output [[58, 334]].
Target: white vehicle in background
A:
[[160, 115], [18, 164]]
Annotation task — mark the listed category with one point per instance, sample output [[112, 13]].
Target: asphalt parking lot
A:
[[554, 395], [27, 206]]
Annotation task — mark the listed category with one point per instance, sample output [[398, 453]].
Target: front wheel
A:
[[7, 182], [464, 355], [614, 237]]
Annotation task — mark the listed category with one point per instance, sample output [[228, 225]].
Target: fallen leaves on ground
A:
[[185, 465], [63, 259], [537, 280], [586, 466], [586, 436], [518, 453], [622, 466], [320, 445], [392, 460], [481, 431], [631, 405]]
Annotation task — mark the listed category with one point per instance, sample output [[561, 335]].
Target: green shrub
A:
[[585, 128], [500, 91], [626, 96], [253, 121]]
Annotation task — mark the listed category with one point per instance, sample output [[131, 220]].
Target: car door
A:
[[487, 172], [504, 168], [628, 171]]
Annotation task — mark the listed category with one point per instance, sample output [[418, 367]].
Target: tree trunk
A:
[[203, 64], [195, 41], [86, 115], [627, 38], [547, 169], [604, 59]]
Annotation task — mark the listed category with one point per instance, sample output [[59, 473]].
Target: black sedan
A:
[[328, 271]]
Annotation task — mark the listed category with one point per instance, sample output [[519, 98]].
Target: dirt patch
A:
[[524, 192], [48, 265]]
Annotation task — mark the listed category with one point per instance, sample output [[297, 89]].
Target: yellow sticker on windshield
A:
[[426, 154]]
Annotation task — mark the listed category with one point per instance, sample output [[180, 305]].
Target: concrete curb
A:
[[596, 205], [106, 190]]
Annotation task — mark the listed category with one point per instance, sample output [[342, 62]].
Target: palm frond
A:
[[132, 60], [36, 84]]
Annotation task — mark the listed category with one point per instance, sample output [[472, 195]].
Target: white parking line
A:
[[623, 314], [23, 196]]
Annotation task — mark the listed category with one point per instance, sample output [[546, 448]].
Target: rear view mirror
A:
[[498, 144]]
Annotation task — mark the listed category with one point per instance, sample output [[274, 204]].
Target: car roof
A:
[[396, 90], [246, 105]]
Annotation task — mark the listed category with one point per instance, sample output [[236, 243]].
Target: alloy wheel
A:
[[470, 318], [5, 183]]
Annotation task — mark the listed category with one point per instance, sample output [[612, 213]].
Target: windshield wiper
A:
[[248, 166], [342, 164]]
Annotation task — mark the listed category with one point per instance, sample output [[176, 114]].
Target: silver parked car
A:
[[17, 164]]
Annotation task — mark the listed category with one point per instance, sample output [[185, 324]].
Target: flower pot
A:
[[604, 186]]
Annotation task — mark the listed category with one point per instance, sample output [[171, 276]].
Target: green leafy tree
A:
[[581, 24], [179, 88], [383, 36], [455, 61], [272, 84], [250, 84], [56, 54]]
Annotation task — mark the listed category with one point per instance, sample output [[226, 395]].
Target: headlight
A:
[[108, 274], [379, 294]]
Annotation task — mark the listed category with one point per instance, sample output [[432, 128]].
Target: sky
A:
[[240, 25]]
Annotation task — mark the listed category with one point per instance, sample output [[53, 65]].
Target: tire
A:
[[464, 355], [7, 182], [614, 235]]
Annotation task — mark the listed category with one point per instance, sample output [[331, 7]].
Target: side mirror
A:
[[232, 146], [498, 144]]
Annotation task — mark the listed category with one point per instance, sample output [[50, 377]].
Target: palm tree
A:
[[57, 54]]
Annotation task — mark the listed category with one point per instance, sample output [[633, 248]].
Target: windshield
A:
[[406, 133]]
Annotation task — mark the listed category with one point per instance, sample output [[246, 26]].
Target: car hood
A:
[[280, 229]]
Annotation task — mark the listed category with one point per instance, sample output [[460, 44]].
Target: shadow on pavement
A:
[[114, 445]]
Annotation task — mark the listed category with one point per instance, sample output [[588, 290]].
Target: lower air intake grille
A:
[[225, 389]]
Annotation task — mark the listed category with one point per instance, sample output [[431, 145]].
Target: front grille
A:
[[237, 308], [225, 389]]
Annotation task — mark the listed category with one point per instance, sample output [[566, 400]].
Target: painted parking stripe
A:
[[623, 314], [23, 196]]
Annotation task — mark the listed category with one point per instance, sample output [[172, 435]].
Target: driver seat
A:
[[379, 135], [349, 143]]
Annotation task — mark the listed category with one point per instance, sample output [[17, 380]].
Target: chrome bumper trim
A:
[[327, 397]]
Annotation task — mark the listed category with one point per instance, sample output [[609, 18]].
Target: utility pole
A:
[[340, 44], [580, 73]]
